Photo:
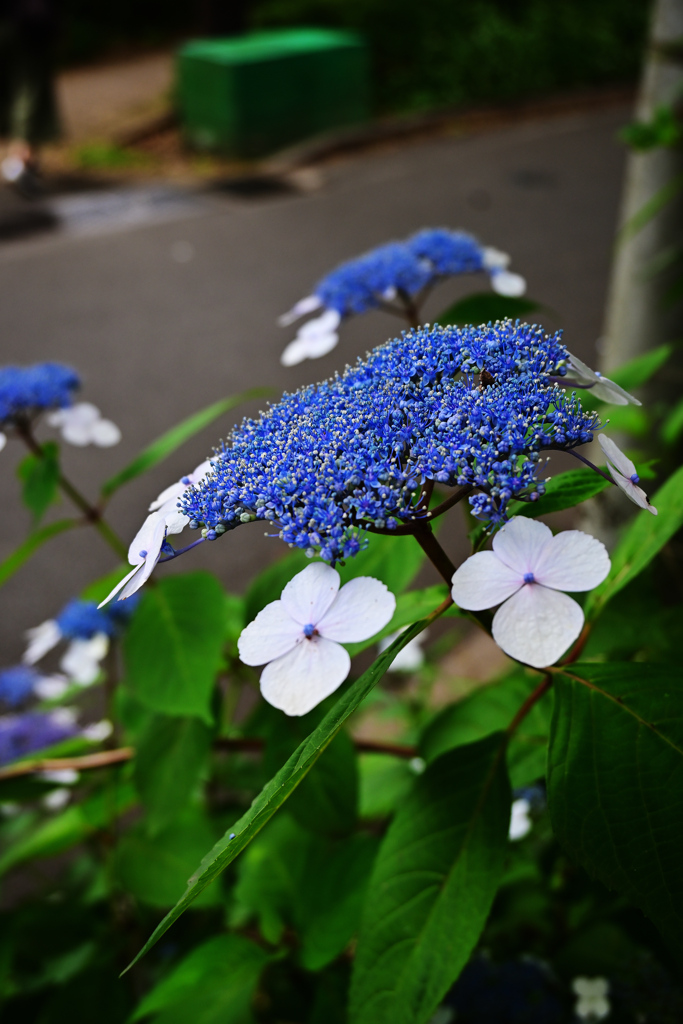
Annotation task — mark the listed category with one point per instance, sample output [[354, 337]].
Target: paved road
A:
[[157, 339]]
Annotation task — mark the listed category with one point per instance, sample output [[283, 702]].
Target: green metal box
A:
[[250, 95]]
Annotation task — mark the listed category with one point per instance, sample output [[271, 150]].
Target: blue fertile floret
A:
[[25, 390], [354, 452], [16, 684], [81, 620], [23, 734], [449, 252]]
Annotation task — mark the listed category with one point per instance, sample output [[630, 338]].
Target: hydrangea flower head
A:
[[525, 574], [300, 636], [396, 269], [25, 734], [26, 390], [16, 684], [334, 459]]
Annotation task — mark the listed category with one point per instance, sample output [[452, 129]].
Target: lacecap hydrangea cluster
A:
[[470, 406], [360, 284], [27, 390], [82, 620]]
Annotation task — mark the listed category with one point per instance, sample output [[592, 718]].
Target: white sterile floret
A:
[[81, 660], [520, 822], [410, 658], [57, 799], [504, 282], [41, 639], [623, 472], [591, 998], [525, 574], [3, 440], [314, 339], [165, 517], [494, 259], [602, 387], [308, 305], [300, 636], [50, 687], [98, 731], [83, 424], [64, 776]]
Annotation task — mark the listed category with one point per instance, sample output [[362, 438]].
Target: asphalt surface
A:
[[160, 329]]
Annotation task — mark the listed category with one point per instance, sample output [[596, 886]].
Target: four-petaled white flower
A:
[[83, 424], [503, 281], [82, 658], [165, 517], [525, 574], [623, 472], [601, 387], [591, 998], [300, 636], [314, 339], [520, 822]]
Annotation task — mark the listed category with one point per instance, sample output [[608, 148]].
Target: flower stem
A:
[[90, 512], [526, 707], [424, 536], [582, 458]]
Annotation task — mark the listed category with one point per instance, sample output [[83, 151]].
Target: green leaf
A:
[[672, 427], [384, 783], [330, 899], [639, 370], [275, 792], [434, 881], [327, 799], [213, 985], [175, 437], [563, 491], [487, 710], [410, 607], [170, 758], [70, 827], [615, 781], [39, 475], [644, 538], [31, 545], [155, 869], [484, 307], [173, 646], [270, 583]]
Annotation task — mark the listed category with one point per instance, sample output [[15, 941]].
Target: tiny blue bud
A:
[[529, 577]]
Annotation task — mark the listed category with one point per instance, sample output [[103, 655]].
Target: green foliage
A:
[[484, 307], [275, 792], [663, 129], [644, 539], [213, 985], [155, 869], [672, 428], [615, 781], [440, 863], [175, 437], [563, 491], [35, 540], [490, 709], [39, 476], [170, 759], [173, 647]]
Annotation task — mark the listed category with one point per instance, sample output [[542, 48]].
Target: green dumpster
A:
[[250, 95]]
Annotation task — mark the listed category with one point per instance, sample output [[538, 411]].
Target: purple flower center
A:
[[635, 478], [143, 554], [529, 577], [309, 630]]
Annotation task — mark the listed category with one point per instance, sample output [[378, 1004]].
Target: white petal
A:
[[616, 456], [300, 308], [65, 776], [300, 680], [57, 799], [105, 434], [98, 731], [41, 639], [411, 657], [572, 561], [3, 440], [389, 294], [483, 581], [323, 324], [310, 593], [581, 372], [520, 822], [504, 282], [315, 347], [121, 585], [148, 540], [493, 258], [175, 520], [537, 625], [362, 607], [136, 579], [50, 687], [272, 633], [608, 391], [521, 542], [170, 493], [632, 491], [202, 470], [64, 716], [77, 423], [81, 662]]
